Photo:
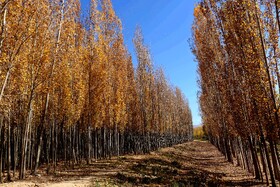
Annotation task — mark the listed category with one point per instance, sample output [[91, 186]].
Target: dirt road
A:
[[190, 164]]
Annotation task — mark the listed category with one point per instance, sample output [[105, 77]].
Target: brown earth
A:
[[190, 164]]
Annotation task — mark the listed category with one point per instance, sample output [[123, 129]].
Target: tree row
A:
[[236, 44], [69, 92]]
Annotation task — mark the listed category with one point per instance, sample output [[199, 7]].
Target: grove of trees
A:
[[199, 133], [69, 92], [236, 44]]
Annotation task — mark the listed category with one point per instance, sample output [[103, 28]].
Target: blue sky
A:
[[166, 26]]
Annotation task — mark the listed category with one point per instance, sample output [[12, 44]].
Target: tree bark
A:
[[25, 138], [9, 148], [1, 146], [274, 159], [255, 159], [264, 164]]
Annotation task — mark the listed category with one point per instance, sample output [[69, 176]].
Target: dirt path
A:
[[190, 164]]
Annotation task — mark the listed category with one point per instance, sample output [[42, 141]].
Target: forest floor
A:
[[191, 164]]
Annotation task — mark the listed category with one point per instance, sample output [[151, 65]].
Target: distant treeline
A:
[[199, 133]]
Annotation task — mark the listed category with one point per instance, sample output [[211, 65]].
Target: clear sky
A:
[[166, 26]]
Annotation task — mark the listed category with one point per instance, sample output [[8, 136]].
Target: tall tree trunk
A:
[[5, 83], [53, 145], [264, 164], [274, 159], [117, 140], [41, 130], [104, 143], [48, 140], [268, 161], [16, 135], [3, 27], [9, 147], [25, 138], [95, 143], [1, 148], [255, 159], [89, 142], [267, 70]]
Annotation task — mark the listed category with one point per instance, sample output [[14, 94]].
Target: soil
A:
[[191, 164]]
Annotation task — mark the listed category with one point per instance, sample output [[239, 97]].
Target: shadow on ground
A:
[[161, 172], [169, 169], [193, 164]]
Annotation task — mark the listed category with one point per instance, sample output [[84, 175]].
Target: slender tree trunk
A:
[[267, 70], [41, 130], [3, 28], [25, 138], [255, 159], [4, 11], [1, 146], [111, 148], [242, 154], [274, 159], [53, 145], [29, 145], [264, 164], [9, 147], [238, 153], [268, 162], [1, 166], [104, 142], [74, 143], [5, 83], [228, 151], [117, 140], [277, 152], [70, 148], [16, 142], [95, 143], [271, 92], [89, 145]]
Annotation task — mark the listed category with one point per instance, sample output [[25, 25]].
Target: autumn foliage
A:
[[236, 44], [199, 133], [69, 92]]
